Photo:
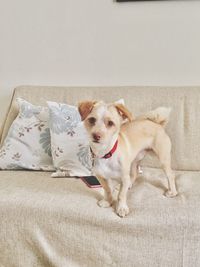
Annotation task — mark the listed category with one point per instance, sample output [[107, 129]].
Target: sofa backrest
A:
[[183, 127]]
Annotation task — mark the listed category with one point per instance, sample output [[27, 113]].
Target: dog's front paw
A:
[[104, 203], [170, 193], [122, 210]]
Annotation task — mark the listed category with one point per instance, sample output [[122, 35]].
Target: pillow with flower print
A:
[[27, 145], [69, 141]]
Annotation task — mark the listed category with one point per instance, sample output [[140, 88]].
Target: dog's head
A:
[[103, 121]]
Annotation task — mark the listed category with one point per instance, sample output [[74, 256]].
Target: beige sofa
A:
[[56, 222]]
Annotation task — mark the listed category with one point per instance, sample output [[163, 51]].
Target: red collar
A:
[[112, 151], [109, 154]]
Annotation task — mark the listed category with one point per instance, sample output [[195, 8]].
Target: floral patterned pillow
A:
[[27, 145], [69, 141]]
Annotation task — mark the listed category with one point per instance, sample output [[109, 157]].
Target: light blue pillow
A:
[[69, 141]]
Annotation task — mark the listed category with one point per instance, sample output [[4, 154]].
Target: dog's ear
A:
[[124, 112], [85, 108]]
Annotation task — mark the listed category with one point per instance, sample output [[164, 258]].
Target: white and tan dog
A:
[[118, 142]]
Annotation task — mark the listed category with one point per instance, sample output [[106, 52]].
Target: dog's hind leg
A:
[[135, 167], [133, 173], [163, 150]]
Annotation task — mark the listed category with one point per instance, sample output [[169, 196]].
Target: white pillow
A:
[[69, 141], [27, 145]]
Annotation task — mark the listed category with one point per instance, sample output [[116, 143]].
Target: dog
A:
[[118, 143]]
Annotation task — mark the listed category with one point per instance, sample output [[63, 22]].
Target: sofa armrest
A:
[[9, 118]]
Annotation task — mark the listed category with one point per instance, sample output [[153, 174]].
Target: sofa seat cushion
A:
[[56, 222]]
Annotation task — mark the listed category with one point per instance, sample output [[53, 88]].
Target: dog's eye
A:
[[92, 120], [110, 123]]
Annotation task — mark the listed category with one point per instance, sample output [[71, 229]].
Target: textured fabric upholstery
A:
[[56, 222], [183, 126]]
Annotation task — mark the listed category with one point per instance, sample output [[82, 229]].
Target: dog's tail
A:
[[159, 115]]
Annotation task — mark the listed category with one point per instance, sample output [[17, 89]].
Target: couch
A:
[[56, 222]]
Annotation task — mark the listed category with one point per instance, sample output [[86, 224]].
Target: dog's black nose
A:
[[96, 136]]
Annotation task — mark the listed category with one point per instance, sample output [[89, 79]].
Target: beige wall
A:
[[98, 42]]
